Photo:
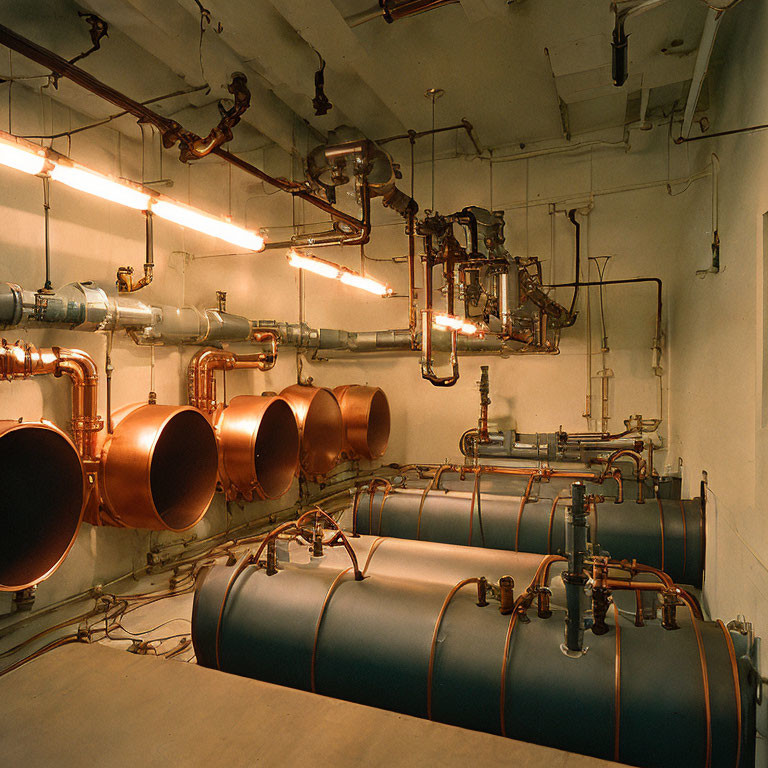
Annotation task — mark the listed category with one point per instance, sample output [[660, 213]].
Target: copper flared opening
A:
[[258, 446], [41, 506], [158, 467], [321, 427], [365, 411]]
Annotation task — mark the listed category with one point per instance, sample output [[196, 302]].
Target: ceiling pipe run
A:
[[394, 10], [87, 307], [171, 131]]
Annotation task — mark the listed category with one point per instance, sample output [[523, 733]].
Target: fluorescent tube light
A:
[[101, 186], [208, 225], [365, 283], [20, 157], [311, 264]]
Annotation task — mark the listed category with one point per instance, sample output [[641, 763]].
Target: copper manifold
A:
[[321, 427], [365, 412], [41, 506], [157, 469]]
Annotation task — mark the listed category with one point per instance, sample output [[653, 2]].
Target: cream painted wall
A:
[[719, 348]]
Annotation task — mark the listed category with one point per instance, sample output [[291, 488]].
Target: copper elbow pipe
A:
[[201, 372], [157, 469], [639, 463], [365, 412], [41, 506], [21, 360], [321, 427]]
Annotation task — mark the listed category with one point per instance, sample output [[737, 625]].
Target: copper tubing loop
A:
[[313, 664], [157, 469], [252, 558], [21, 360], [641, 470], [736, 687], [321, 427], [365, 412], [41, 506]]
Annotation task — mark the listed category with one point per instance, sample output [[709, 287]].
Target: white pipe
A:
[[711, 25]]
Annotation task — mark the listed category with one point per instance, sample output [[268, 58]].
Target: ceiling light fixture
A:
[[120, 192], [458, 324], [21, 155], [192, 218], [25, 156], [336, 272]]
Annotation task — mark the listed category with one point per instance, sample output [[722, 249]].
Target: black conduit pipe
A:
[[577, 278]]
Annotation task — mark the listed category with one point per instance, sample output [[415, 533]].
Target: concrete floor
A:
[[94, 705]]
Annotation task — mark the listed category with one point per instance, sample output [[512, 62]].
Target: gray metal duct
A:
[[88, 307]]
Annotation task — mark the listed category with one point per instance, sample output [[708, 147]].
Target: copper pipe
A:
[[331, 589], [321, 427], [412, 311], [481, 587], [157, 469], [641, 469], [201, 371], [21, 360], [617, 686]]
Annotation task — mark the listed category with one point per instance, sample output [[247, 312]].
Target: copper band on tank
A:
[[617, 687], [552, 521], [661, 524], [705, 684], [685, 536], [236, 571], [328, 595], [355, 508], [384, 497], [593, 510], [475, 489], [429, 487], [736, 686], [523, 502], [376, 544], [505, 666], [433, 645]]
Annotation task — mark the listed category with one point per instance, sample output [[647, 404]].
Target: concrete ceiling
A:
[[487, 55]]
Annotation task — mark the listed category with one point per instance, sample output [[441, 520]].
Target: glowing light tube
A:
[[101, 186], [311, 264], [463, 326], [365, 283], [20, 157], [208, 225]]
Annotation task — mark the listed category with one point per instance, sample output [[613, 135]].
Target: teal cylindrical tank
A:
[[668, 534], [640, 695]]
